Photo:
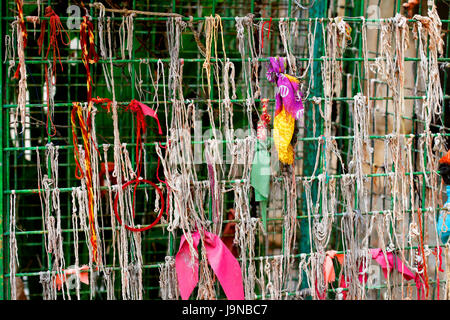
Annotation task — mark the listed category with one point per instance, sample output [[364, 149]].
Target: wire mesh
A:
[[142, 73]]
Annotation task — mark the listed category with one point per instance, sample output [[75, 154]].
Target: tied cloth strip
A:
[[260, 175], [221, 260], [392, 262], [56, 28], [443, 225], [23, 30], [289, 107], [388, 262], [328, 271], [141, 110], [328, 268]]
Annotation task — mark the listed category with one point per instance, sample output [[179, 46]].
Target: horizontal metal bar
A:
[[231, 19], [260, 258], [337, 214], [154, 60], [297, 178], [378, 287], [34, 105], [372, 137]]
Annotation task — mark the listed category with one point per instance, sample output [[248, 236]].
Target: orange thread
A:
[[77, 111]]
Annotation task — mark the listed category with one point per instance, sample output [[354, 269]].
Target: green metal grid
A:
[[18, 174]]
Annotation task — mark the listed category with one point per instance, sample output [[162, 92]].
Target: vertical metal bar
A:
[[2, 212], [5, 172], [211, 97], [445, 73], [69, 158], [49, 140], [309, 149]]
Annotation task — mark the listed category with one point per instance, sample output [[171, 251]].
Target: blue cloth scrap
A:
[[444, 226]]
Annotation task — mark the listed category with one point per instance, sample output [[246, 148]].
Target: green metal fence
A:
[[328, 121]]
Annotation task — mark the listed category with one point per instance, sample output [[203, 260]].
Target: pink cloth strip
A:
[[378, 256], [146, 110], [221, 260]]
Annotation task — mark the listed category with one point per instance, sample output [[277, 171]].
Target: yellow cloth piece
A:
[[291, 78], [283, 126]]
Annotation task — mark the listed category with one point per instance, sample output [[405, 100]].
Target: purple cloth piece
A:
[[275, 67], [288, 90]]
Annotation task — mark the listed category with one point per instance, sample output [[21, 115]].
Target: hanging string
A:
[[10, 53], [77, 112], [75, 240], [13, 257], [88, 53], [23, 33], [168, 279], [56, 29], [22, 96], [50, 99], [89, 56], [140, 110], [423, 266]]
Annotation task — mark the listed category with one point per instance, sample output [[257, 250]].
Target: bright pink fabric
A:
[[221, 260], [137, 106], [378, 256], [187, 267]]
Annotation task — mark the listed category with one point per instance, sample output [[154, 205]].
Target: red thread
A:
[[56, 28], [141, 110], [138, 109], [265, 117], [102, 101], [435, 252], [262, 32], [137, 182]]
